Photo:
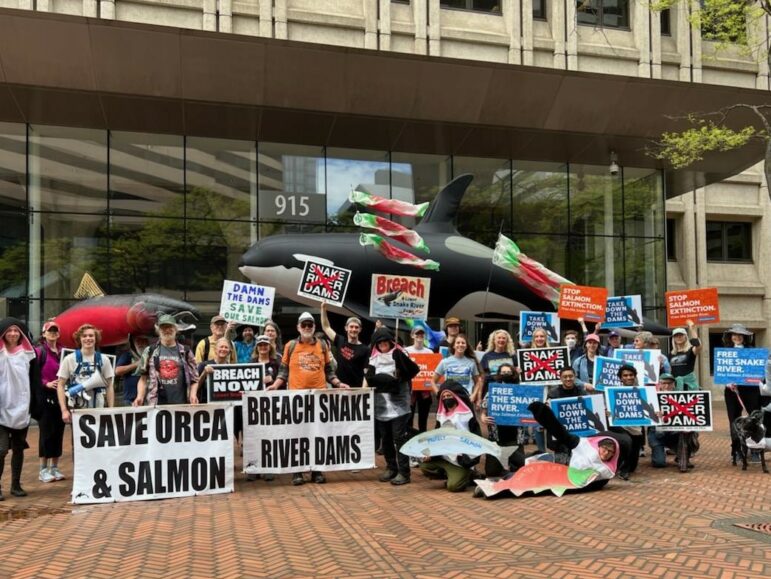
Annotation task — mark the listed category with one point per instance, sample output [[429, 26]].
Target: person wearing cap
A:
[[50, 423], [452, 331], [167, 369], [583, 366], [351, 355], [244, 343], [306, 364], [614, 343], [265, 353], [739, 395], [661, 441], [219, 327], [682, 358], [419, 400], [627, 373]]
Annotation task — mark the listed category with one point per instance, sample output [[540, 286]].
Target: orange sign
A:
[[699, 305], [427, 363], [580, 301]]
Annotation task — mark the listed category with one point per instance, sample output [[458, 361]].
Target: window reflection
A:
[[487, 202], [14, 255], [147, 175], [348, 169], [595, 201], [645, 261], [643, 203], [13, 167], [539, 197], [417, 178]]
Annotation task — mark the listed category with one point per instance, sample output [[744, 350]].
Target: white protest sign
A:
[[247, 303], [324, 282], [542, 365], [650, 359], [300, 430], [685, 411], [228, 381], [137, 454]]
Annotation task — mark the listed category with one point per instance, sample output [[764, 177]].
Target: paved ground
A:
[[660, 524]]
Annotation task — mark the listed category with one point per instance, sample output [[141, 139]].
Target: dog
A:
[[751, 434]]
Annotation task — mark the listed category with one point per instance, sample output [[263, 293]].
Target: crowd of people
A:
[[36, 381]]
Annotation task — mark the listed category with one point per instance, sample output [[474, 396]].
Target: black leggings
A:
[[750, 395]]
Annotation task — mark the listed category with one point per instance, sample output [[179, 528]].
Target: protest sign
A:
[[137, 454], [399, 296], [632, 406], [606, 372], [507, 403], [698, 305], [740, 365], [685, 411], [651, 360], [229, 381], [578, 301], [246, 303], [299, 430], [623, 312], [324, 282], [581, 415], [531, 321], [542, 365], [427, 364]]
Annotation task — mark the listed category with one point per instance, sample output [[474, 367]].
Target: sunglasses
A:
[[307, 324], [53, 330]]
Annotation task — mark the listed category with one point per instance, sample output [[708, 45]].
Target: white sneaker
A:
[[58, 475], [46, 476]]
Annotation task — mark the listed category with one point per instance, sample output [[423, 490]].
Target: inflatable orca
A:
[[457, 289]]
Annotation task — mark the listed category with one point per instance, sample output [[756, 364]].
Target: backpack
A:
[[79, 360], [293, 344]]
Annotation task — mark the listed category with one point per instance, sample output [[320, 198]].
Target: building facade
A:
[[171, 210]]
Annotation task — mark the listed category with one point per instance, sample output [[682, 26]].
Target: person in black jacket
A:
[[19, 391], [455, 411]]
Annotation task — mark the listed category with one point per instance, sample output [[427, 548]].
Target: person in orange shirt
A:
[[306, 364]]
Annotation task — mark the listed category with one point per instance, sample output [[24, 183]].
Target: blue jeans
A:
[[659, 442]]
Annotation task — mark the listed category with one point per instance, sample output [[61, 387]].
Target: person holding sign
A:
[[462, 367], [629, 460], [244, 343], [504, 435], [684, 444], [583, 366], [452, 330], [500, 351], [682, 358], [350, 353], [219, 327], [265, 353], [390, 373], [455, 411], [540, 338], [273, 332], [739, 396], [421, 400]]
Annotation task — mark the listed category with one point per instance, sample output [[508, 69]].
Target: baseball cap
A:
[[217, 319], [677, 331], [49, 325], [666, 377], [594, 337], [614, 334], [417, 330], [263, 339], [451, 321], [166, 320], [305, 317]]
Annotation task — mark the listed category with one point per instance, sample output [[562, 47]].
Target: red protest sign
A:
[[698, 305], [580, 301], [427, 364]]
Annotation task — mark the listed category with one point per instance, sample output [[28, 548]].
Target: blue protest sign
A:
[[632, 406], [531, 321], [623, 312], [740, 365], [606, 372], [507, 403], [581, 415], [648, 358]]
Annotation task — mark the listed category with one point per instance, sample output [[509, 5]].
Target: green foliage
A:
[[686, 147]]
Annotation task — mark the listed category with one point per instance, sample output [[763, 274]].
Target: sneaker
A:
[[318, 478], [18, 492], [58, 475], [297, 479], [755, 457], [46, 476], [414, 462], [400, 479], [387, 475]]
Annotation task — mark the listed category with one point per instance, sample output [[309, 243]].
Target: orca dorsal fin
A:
[[441, 214]]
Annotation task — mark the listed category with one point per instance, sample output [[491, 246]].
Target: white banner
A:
[[136, 454], [246, 303], [300, 430]]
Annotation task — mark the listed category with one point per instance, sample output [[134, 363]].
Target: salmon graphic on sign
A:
[[399, 297]]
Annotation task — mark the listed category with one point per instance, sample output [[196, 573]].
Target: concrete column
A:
[[696, 41], [384, 25], [701, 278], [682, 12], [43, 5], [656, 45], [35, 233], [642, 37], [761, 30], [209, 20], [526, 31], [434, 28], [370, 23], [514, 28], [107, 9], [89, 8], [226, 15], [266, 18], [557, 21], [571, 42], [279, 16], [420, 18], [26, 4]]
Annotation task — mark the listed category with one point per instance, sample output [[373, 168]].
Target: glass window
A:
[[291, 183], [13, 167], [596, 260], [68, 169], [595, 201], [475, 5], [539, 197], [487, 202], [603, 13], [666, 22], [417, 178], [221, 179], [645, 270], [643, 203], [671, 240], [14, 255], [550, 250], [539, 9], [147, 175], [729, 241], [348, 169]]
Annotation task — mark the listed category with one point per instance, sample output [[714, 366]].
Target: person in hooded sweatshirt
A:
[[19, 388], [455, 411], [390, 372]]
